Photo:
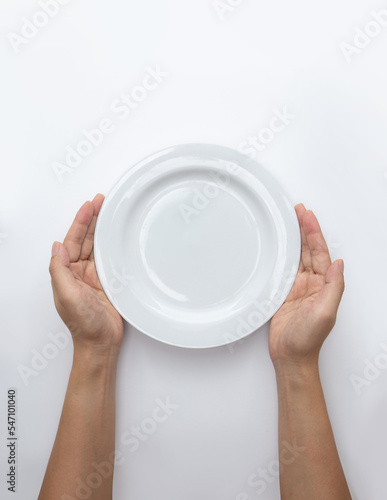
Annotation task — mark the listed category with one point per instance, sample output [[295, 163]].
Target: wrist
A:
[[92, 378], [95, 357], [297, 371]]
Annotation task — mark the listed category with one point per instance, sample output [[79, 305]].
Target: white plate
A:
[[197, 245]]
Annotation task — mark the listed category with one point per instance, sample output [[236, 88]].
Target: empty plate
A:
[[197, 245]]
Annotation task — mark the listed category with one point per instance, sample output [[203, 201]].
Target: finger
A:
[[317, 245], [78, 230], [300, 209], [61, 277], [333, 289], [97, 203], [88, 242], [306, 258], [91, 258]]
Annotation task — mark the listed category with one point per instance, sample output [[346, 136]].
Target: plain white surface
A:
[[197, 245], [225, 78]]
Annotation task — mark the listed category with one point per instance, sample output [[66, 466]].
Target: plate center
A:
[[199, 244]]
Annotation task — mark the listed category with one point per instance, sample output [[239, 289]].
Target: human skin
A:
[[297, 332], [83, 451], [86, 433]]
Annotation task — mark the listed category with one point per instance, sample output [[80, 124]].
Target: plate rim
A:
[[187, 150]]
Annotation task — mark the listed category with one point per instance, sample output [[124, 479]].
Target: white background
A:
[[225, 77]]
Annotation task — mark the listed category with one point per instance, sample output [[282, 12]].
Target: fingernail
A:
[[341, 265], [55, 248]]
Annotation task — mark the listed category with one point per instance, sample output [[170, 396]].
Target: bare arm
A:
[[82, 460], [312, 469]]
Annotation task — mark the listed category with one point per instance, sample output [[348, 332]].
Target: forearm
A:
[[313, 471], [86, 433]]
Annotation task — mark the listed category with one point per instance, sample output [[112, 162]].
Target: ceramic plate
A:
[[197, 245]]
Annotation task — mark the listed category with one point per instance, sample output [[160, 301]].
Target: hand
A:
[[301, 325], [78, 294]]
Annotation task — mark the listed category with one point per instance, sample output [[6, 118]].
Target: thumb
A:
[[334, 285], [61, 276]]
